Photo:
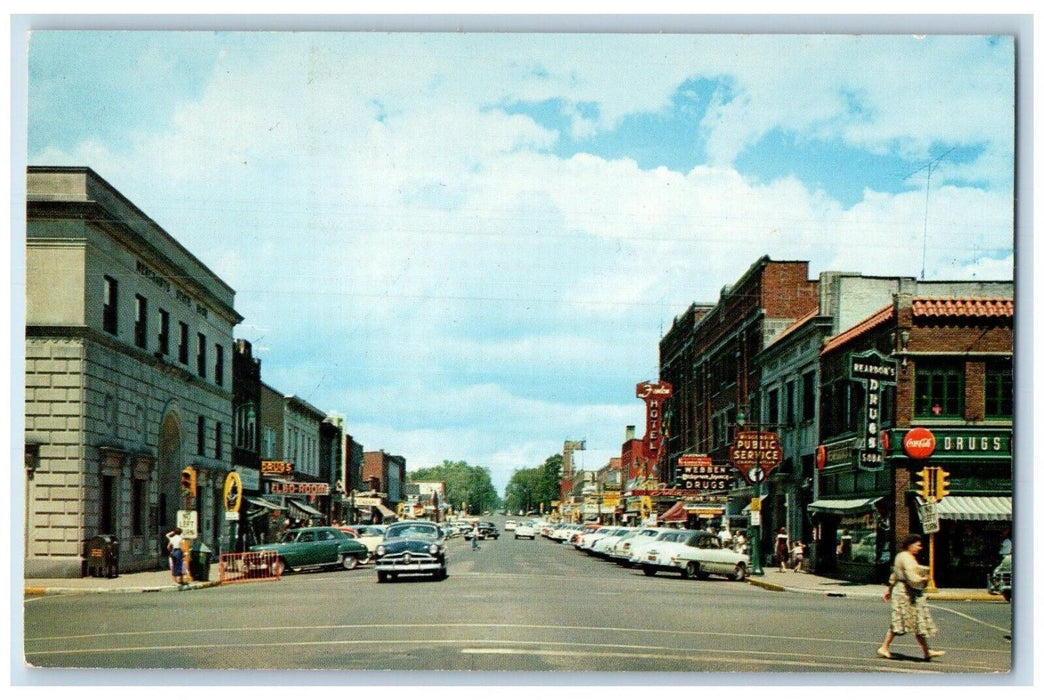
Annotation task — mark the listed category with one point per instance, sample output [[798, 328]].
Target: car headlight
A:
[[381, 550], [434, 549]]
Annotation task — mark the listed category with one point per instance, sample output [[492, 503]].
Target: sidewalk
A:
[[801, 582], [158, 581]]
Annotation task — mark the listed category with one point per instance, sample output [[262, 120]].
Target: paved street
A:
[[511, 606]]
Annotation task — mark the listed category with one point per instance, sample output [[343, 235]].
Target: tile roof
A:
[[1004, 308], [873, 321]]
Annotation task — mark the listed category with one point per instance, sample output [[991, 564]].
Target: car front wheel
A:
[[740, 572], [691, 570], [649, 570], [381, 577], [349, 561]]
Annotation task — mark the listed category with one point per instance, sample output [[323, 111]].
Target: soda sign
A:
[[919, 443]]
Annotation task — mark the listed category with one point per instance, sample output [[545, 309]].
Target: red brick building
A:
[[950, 361]]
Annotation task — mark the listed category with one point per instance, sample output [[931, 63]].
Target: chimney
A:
[[629, 434]]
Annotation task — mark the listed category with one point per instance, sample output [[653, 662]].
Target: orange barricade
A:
[[249, 566]]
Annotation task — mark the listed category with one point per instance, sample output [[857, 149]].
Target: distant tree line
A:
[[533, 489], [468, 487]]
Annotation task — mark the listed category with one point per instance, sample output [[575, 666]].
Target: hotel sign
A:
[[655, 394]]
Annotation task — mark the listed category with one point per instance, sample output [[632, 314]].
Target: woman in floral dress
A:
[[909, 604]]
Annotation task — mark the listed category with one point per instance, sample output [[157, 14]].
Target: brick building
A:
[[946, 366]]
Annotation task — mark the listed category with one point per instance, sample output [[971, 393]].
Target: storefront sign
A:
[[655, 394], [233, 492], [276, 467], [367, 501], [707, 477], [919, 443], [299, 488], [250, 478], [694, 461], [755, 454], [874, 370]]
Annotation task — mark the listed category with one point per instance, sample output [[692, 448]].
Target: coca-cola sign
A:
[[919, 443]]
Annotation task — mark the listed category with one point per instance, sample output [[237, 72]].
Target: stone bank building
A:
[[128, 377]]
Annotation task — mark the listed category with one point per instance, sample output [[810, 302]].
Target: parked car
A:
[[411, 547], [525, 529], [657, 556], [704, 555], [999, 580], [626, 549], [315, 547], [510, 525], [370, 536], [604, 546]]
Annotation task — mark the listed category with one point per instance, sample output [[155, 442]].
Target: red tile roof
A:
[[1004, 308], [873, 321]]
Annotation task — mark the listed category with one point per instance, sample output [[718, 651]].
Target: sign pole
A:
[[930, 588]]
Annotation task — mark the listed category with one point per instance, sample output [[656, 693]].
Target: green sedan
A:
[[315, 547]]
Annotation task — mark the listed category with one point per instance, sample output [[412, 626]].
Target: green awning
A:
[[843, 506]]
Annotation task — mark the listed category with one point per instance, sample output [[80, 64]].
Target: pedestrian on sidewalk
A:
[[474, 536], [797, 555], [782, 549], [909, 604], [177, 556]]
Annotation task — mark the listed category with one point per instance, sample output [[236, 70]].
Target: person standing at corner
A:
[[782, 548], [177, 556], [909, 604], [474, 536]]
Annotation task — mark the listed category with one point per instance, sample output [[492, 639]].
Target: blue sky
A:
[[469, 244]]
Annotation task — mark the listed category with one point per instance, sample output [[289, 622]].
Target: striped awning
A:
[[262, 503], [974, 508], [304, 508], [843, 506]]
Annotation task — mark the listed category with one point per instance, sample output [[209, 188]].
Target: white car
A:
[[604, 546], [639, 550], [525, 529], [588, 537], [706, 556], [623, 549], [369, 535], [663, 554], [510, 525]]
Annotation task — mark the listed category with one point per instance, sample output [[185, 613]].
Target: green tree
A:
[[465, 483], [533, 488]]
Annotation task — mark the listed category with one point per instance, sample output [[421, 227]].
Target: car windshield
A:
[[428, 532], [290, 536]]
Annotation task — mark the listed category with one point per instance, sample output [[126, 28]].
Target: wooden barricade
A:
[[239, 567]]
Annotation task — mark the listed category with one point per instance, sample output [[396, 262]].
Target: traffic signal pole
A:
[[933, 487]]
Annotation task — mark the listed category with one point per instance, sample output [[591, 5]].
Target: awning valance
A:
[[842, 506], [385, 510], [304, 508], [974, 508]]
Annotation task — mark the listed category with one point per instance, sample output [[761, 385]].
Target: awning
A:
[[974, 508], [842, 506], [304, 508], [262, 503], [675, 513], [385, 510]]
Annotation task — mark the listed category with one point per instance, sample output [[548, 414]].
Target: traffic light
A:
[[924, 483], [188, 482], [942, 484]]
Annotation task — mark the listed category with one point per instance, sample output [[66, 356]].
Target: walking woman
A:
[[909, 604], [782, 551]]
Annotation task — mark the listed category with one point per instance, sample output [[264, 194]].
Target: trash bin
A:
[[199, 561], [103, 556]]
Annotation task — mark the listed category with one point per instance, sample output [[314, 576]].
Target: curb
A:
[[62, 590], [979, 597]]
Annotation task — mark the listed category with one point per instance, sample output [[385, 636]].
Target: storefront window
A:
[[857, 539]]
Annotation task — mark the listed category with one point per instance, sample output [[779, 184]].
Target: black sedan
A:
[[411, 547]]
